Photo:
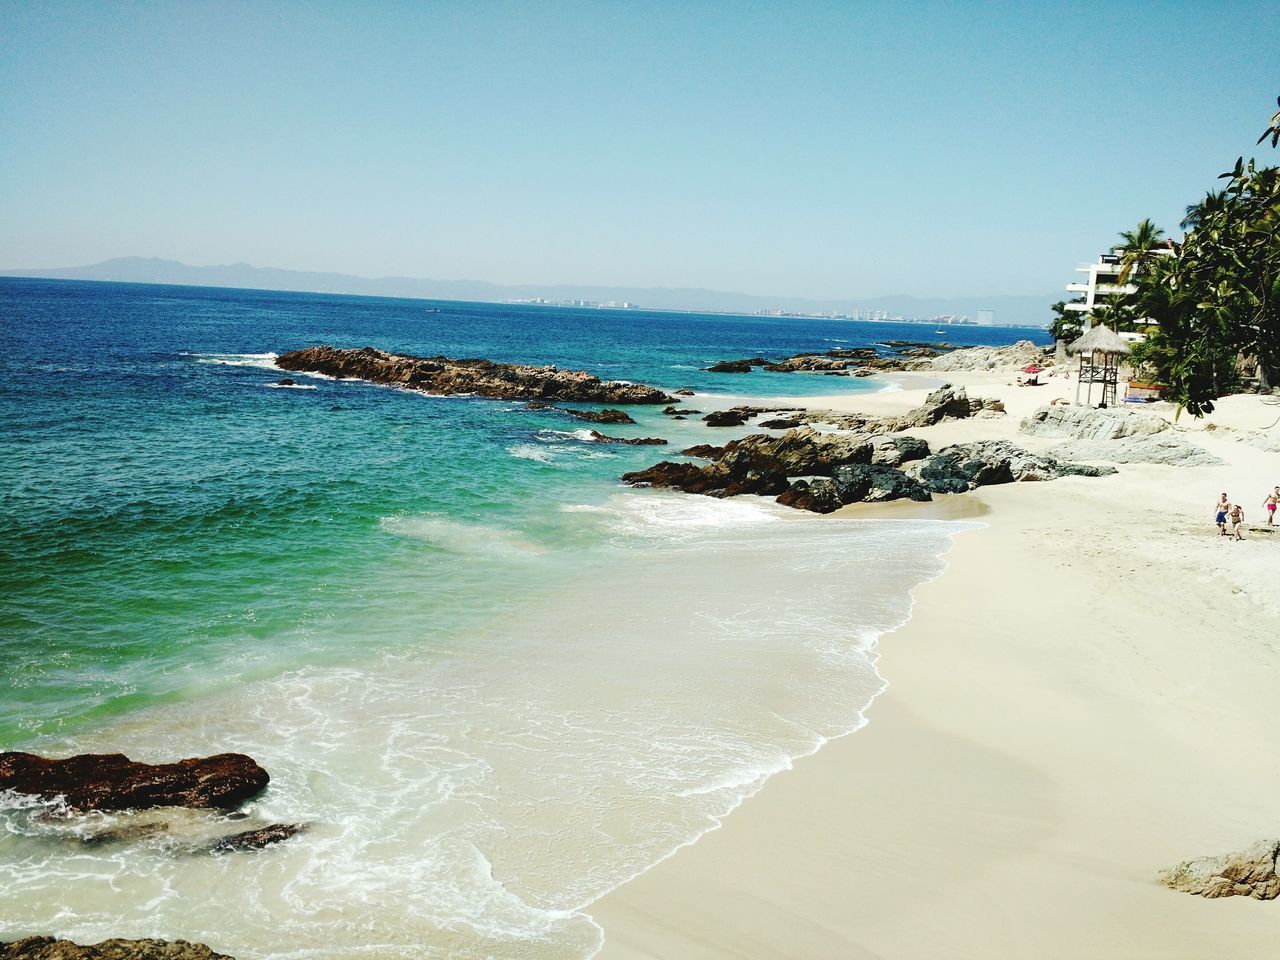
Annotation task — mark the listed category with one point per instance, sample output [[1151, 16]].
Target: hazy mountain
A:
[[1010, 310]]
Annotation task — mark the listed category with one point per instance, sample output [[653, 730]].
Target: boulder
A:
[[797, 453], [112, 781], [47, 948], [893, 451], [286, 382], [485, 378], [945, 403], [725, 418], [1085, 423], [1165, 449], [781, 423], [704, 450], [872, 483], [1249, 873], [682, 392], [818, 496]]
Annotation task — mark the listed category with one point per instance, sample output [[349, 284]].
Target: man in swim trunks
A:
[[1273, 498], [1236, 515], [1220, 517]]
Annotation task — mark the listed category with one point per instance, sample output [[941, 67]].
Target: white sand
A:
[[1089, 694]]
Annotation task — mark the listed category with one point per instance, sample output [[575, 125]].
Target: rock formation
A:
[[736, 366], [725, 418], [897, 450], [1166, 449], [965, 466], [443, 375], [1086, 423], [112, 781], [47, 948], [991, 358], [1249, 873]]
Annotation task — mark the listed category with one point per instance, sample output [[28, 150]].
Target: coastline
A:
[[1049, 738]]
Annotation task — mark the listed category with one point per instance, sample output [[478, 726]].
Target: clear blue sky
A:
[[821, 150]]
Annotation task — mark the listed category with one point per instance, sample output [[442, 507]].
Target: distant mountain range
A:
[[1009, 310]]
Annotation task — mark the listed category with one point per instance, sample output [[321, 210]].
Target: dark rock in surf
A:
[[257, 839], [111, 781], [599, 437], [601, 416], [47, 948], [725, 418], [736, 366], [781, 423], [286, 382]]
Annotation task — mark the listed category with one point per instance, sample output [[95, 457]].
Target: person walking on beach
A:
[[1273, 498], [1220, 518], [1236, 515]]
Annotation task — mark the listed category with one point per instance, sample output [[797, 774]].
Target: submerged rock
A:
[[599, 437], [47, 948], [111, 781], [485, 378], [601, 416], [1249, 873], [257, 839]]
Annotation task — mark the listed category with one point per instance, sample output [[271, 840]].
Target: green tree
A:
[[1066, 324]]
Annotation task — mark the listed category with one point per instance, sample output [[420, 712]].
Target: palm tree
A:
[[1138, 246], [1200, 212]]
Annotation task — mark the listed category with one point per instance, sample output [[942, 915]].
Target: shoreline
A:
[[1033, 761]]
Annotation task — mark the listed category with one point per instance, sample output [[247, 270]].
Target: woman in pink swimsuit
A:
[[1270, 503]]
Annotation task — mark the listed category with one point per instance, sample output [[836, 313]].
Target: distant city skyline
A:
[[825, 151]]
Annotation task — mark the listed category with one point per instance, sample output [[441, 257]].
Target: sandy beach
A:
[[1085, 697]]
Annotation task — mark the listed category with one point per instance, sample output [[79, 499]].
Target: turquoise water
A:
[[496, 681]]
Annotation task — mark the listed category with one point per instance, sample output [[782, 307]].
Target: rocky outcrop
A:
[[1163, 449], [781, 423], [111, 781], [1249, 873], [809, 363], [599, 437], [966, 466], [47, 948], [1019, 354], [1086, 423], [443, 375], [257, 839]]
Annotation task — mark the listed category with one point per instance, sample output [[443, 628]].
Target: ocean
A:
[[495, 682]]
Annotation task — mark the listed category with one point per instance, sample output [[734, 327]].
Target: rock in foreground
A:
[[1164, 449], [966, 466], [485, 378], [47, 948], [1249, 873], [111, 781]]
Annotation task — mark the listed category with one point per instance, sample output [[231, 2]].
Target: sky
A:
[[823, 150]]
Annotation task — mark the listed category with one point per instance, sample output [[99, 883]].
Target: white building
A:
[[1104, 280], [986, 318]]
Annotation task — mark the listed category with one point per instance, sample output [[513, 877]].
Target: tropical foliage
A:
[[1216, 296], [1066, 324]]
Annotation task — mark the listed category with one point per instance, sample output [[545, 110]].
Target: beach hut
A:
[[1099, 350]]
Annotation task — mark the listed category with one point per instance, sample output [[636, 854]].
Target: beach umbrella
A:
[[1031, 368]]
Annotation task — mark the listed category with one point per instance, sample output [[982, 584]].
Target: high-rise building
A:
[[986, 318]]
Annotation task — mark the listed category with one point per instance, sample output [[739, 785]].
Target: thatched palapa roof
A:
[[1100, 339]]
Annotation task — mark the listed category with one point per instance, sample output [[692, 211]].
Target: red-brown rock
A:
[[111, 781]]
